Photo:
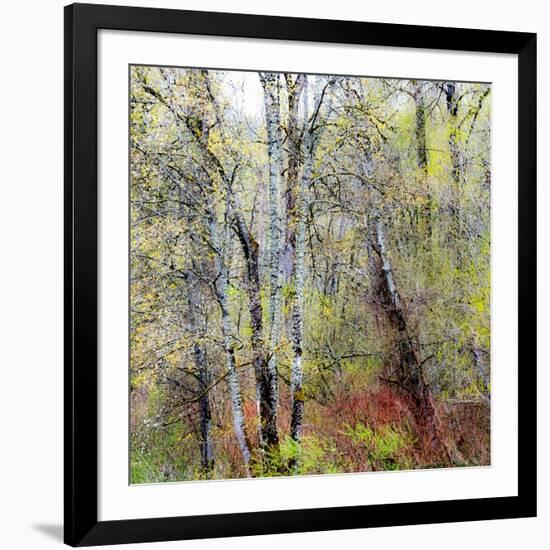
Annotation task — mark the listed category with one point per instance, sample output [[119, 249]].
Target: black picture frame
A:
[[82, 22]]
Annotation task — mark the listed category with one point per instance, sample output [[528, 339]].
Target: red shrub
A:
[[373, 407]]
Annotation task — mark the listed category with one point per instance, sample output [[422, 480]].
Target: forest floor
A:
[[367, 429]]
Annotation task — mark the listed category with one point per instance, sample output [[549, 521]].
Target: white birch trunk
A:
[[221, 286], [270, 83], [296, 373], [386, 267], [311, 141]]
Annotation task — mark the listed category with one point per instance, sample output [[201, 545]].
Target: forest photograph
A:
[[310, 274]]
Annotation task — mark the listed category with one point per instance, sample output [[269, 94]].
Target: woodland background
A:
[[310, 274]]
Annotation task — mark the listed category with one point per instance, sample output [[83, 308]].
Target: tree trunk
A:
[[207, 451], [312, 136], [420, 127], [452, 109], [457, 230], [294, 91], [296, 373], [407, 374], [203, 376], [422, 155], [264, 383], [295, 243], [270, 83], [221, 288]]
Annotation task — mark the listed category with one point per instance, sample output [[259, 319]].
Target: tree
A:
[[270, 84], [311, 137]]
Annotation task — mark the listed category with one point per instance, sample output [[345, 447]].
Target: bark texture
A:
[[294, 87], [422, 156], [420, 127], [312, 135], [296, 374], [203, 375], [221, 289], [452, 102], [264, 375], [270, 84]]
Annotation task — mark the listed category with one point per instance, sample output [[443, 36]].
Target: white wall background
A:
[[31, 283]]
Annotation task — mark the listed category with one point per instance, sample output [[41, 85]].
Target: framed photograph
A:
[[299, 274]]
